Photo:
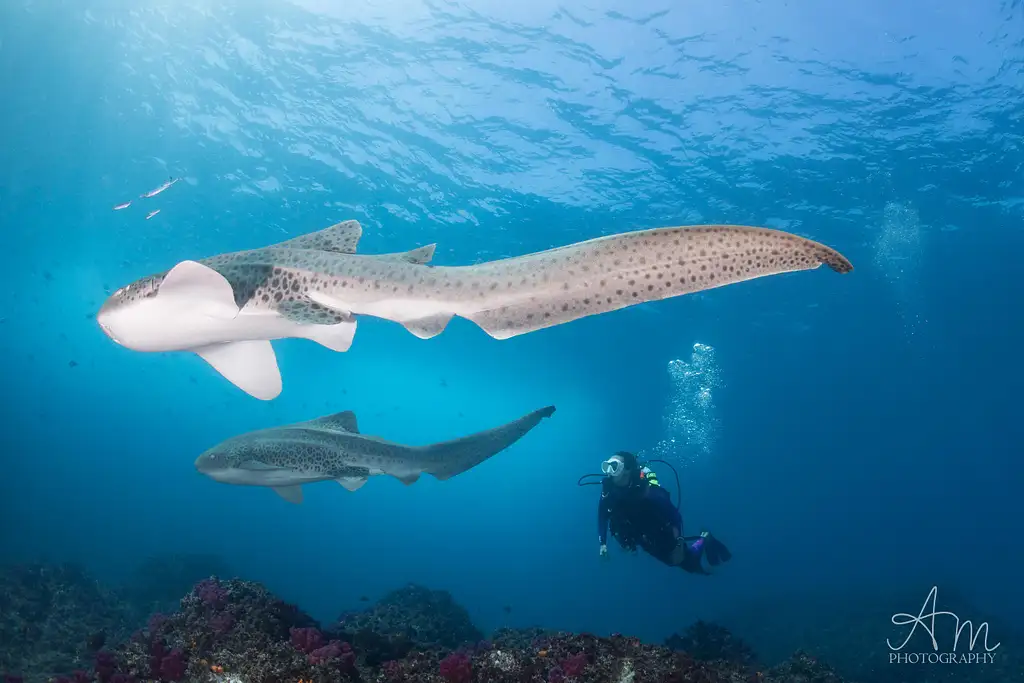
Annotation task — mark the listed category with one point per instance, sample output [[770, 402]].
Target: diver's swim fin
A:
[[715, 550]]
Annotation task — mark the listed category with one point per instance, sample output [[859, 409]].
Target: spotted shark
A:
[[331, 448], [227, 308]]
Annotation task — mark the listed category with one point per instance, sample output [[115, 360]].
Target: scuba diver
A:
[[640, 512]]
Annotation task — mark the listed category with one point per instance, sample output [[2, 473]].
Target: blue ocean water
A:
[[844, 434]]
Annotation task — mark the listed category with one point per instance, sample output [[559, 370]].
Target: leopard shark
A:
[[331, 448], [227, 308]]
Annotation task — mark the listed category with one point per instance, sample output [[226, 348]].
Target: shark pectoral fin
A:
[[408, 478], [293, 494], [428, 327], [419, 255], [351, 483], [336, 337], [202, 287], [249, 365]]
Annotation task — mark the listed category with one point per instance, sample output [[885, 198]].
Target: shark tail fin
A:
[[446, 459]]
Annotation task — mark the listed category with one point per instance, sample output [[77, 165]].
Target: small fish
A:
[[72, 364], [151, 214], [154, 192], [507, 609], [122, 206], [363, 598]]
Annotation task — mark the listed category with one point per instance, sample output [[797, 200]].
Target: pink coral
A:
[[335, 652], [573, 666], [211, 592], [306, 639], [455, 668]]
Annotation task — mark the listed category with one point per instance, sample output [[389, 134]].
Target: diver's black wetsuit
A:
[[640, 514]]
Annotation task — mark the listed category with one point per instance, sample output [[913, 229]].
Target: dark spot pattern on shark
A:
[[319, 294], [329, 448]]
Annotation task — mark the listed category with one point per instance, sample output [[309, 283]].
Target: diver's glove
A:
[[603, 552]]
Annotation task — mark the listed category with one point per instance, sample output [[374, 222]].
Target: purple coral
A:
[[306, 639], [573, 666], [210, 592], [556, 675], [105, 666], [222, 623], [335, 652], [156, 623], [173, 665], [455, 668], [11, 678]]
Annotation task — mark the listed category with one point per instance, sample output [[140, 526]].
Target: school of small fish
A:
[[146, 195]]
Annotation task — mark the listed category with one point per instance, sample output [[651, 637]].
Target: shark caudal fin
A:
[[449, 458]]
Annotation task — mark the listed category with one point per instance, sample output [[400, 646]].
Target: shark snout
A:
[[205, 463], [106, 330], [104, 318]]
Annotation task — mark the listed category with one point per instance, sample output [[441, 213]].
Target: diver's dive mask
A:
[[613, 466]]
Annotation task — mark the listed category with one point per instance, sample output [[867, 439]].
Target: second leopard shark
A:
[[227, 308], [332, 448]]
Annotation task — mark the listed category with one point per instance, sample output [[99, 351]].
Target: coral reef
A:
[[233, 626], [237, 632], [708, 642], [54, 618], [417, 615]]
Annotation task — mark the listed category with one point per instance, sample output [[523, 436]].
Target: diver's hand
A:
[[603, 552]]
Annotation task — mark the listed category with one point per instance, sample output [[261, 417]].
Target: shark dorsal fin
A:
[[345, 421], [419, 255], [342, 238]]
